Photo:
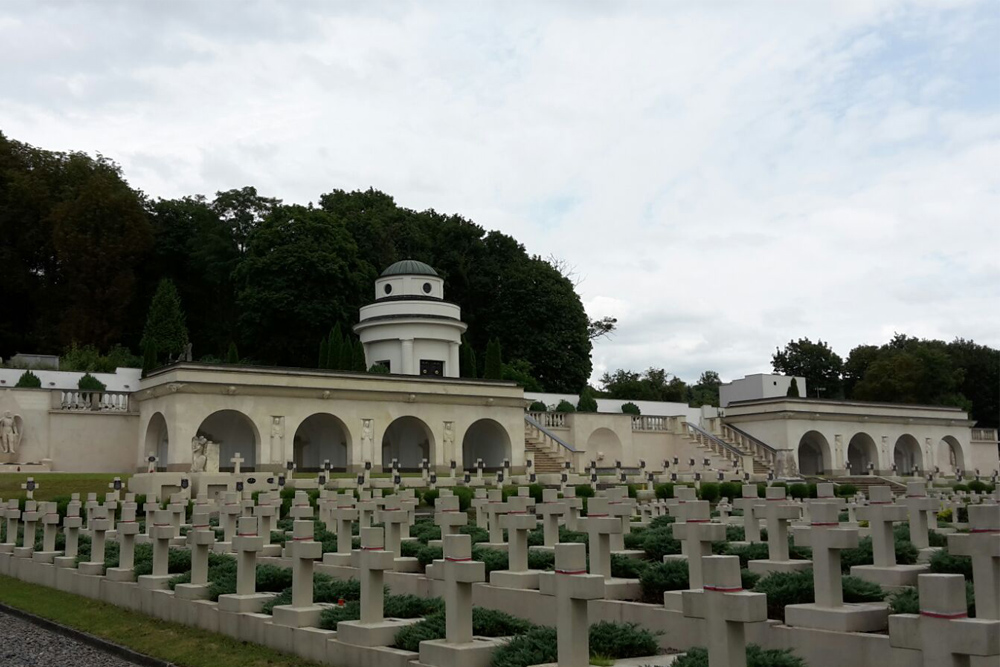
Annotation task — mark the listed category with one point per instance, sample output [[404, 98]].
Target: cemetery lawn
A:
[[178, 644], [53, 485]]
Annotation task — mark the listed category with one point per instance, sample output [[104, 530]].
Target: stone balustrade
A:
[[92, 401]]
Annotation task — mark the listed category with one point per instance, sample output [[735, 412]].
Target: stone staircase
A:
[[761, 465], [545, 460], [863, 482], [706, 449]]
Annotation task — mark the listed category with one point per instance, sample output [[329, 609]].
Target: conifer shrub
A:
[[429, 497], [785, 588], [89, 383], [28, 380], [980, 486], [943, 562], [623, 567], [621, 640], [907, 600], [538, 406], [731, 490], [565, 406], [664, 490], [465, 496], [588, 402], [709, 491], [756, 657], [631, 408]]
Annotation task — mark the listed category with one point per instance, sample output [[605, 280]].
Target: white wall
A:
[[123, 379], [614, 405], [758, 386]]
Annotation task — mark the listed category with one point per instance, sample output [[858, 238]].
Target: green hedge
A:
[[785, 588], [756, 657]]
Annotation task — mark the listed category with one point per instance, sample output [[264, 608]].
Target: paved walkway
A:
[[24, 644]]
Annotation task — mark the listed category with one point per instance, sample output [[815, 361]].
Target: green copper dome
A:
[[409, 267]]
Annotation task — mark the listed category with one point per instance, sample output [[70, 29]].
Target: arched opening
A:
[[949, 456], [409, 440], [157, 441], [861, 451], [814, 454], [487, 440], [321, 437], [235, 434], [906, 455], [605, 447]]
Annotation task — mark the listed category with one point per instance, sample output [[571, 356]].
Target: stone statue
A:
[[366, 438], [277, 438], [199, 460], [449, 438], [785, 466], [10, 432]]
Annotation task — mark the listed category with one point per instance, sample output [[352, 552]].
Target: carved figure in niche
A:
[[366, 438], [277, 438], [10, 432], [449, 438], [199, 459]]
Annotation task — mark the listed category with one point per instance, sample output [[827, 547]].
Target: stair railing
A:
[[553, 441], [758, 448], [718, 446]]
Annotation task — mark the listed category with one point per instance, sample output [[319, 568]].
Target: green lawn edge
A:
[[180, 644]]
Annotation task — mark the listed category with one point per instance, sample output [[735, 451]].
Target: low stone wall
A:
[[819, 648]]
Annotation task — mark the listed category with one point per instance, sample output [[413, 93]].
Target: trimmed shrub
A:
[[631, 409], [660, 577], [661, 521], [756, 657], [658, 542], [378, 369], [845, 490], [709, 491], [565, 406], [538, 406], [664, 490], [621, 640], [465, 496], [584, 491], [980, 486], [587, 401], [798, 491], [943, 562], [28, 380], [534, 647], [429, 496], [485, 623], [89, 383], [623, 567], [731, 490], [785, 588]]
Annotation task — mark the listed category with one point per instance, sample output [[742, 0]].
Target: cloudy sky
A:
[[723, 176]]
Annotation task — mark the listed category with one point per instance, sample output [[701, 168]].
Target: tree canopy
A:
[[816, 362]]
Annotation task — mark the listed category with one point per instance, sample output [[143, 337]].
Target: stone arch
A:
[[950, 457], [408, 439], [321, 437], [157, 441], [488, 440], [604, 443], [906, 454], [814, 454], [236, 434], [861, 451]]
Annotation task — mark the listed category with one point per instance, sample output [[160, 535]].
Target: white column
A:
[[452, 370], [408, 357]]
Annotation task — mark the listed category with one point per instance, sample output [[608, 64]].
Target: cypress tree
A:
[[232, 354], [359, 357], [323, 353], [793, 389], [494, 361], [148, 359], [467, 362], [587, 401], [335, 349], [165, 330]]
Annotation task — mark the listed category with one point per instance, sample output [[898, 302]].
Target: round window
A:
[[388, 288], [427, 288]]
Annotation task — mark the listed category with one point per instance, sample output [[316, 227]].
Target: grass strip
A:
[[180, 644]]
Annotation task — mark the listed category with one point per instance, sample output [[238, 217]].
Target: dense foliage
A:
[[756, 657], [84, 253]]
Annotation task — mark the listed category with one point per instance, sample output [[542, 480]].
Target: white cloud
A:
[[724, 176]]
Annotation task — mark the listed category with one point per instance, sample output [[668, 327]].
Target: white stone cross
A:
[[149, 507], [778, 514], [301, 509], [827, 540], [551, 509], [99, 528], [29, 487], [128, 528], [573, 507], [479, 503], [228, 516], [151, 462], [30, 519], [880, 513], [50, 523], [237, 462], [698, 532], [726, 608], [449, 515], [917, 505], [346, 514], [574, 588], [163, 531], [71, 528], [750, 499], [374, 562], [12, 514], [519, 523], [247, 543], [600, 526], [200, 539], [393, 516], [304, 551], [942, 632], [460, 572], [495, 508], [621, 506], [982, 545]]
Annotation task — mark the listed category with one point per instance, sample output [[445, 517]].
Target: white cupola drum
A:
[[410, 328]]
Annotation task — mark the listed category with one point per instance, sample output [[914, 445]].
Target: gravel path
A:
[[24, 644]]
